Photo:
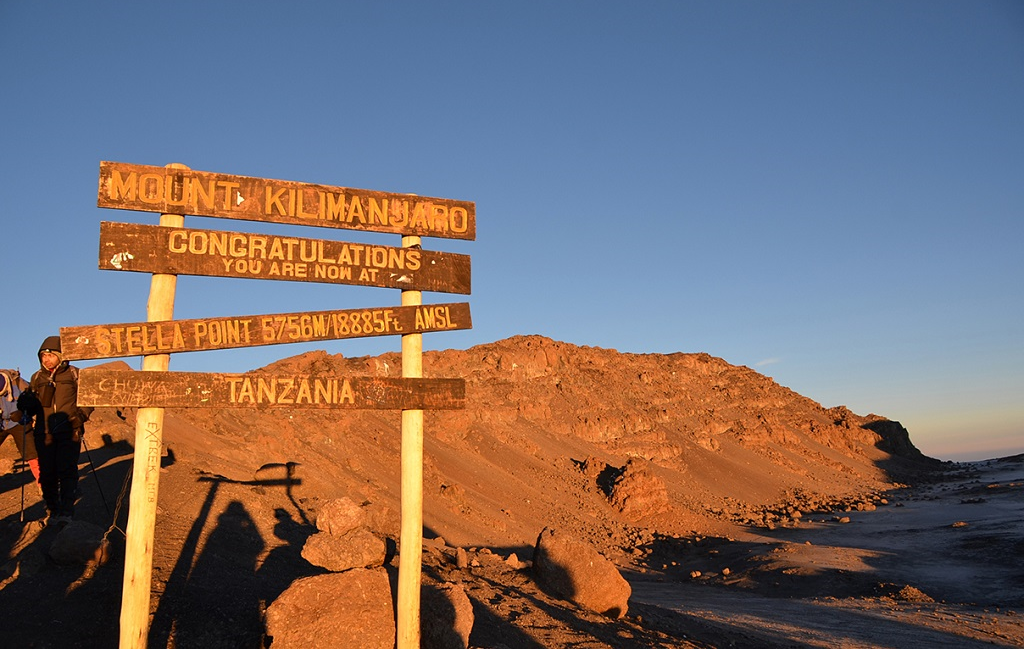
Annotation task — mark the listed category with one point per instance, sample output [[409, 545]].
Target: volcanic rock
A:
[[339, 515], [446, 617], [638, 492], [78, 542], [577, 572], [346, 609], [356, 548]]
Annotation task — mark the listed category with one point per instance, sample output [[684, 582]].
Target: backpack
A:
[[13, 385]]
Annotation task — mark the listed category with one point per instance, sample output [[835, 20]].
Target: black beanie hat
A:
[[51, 344]]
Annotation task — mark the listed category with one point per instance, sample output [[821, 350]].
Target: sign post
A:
[[149, 429], [171, 250], [411, 542]]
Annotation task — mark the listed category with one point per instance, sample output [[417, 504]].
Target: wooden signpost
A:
[[200, 193], [206, 334], [187, 251], [172, 249], [100, 387]]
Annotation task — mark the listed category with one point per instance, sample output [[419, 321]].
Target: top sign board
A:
[[201, 193]]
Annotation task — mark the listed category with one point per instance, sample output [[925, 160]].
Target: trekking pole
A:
[[24, 464], [21, 518], [94, 476]]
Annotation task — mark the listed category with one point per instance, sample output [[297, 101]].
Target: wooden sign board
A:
[[217, 253], [205, 334], [99, 387], [201, 193]]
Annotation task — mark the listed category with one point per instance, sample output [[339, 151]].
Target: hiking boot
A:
[[58, 521]]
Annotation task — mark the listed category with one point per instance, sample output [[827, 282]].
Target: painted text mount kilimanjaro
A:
[[202, 193]]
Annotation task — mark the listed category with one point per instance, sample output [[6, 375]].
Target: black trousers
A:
[[58, 471]]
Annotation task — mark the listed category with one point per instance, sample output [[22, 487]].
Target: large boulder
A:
[[638, 492], [446, 617], [343, 609], [79, 543], [576, 572]]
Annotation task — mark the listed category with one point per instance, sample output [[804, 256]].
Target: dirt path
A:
[[942, 568], [852, 622]]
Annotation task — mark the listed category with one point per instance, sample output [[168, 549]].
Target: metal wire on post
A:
[[120, 503]]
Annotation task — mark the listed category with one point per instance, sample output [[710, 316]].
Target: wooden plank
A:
[[202, 193], [205, 334], [218, 253], [100, 387]]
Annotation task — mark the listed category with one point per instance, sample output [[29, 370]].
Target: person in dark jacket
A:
[[52, 399]]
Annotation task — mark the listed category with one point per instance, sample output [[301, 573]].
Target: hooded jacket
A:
[[57, 392]]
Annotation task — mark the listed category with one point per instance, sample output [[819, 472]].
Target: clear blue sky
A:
[[831, 193]]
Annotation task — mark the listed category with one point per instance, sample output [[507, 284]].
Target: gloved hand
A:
[[29, 403], [30, 406]]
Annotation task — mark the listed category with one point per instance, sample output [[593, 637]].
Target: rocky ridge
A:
[[640, 456]]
